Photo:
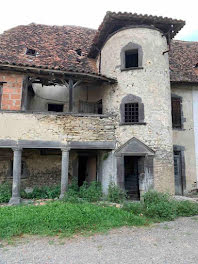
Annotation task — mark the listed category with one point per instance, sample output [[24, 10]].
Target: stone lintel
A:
[[105, 145]]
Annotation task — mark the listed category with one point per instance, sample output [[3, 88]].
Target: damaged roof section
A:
[[183, 60], [56, 47], [113, 22]]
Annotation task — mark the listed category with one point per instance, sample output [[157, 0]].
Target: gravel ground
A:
[[168, 242]]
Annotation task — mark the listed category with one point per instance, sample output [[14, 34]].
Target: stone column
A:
[[16, 198], [64, 171]]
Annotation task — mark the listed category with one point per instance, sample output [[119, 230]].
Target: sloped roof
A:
[[112, 22], [183, 60], [55, 46]]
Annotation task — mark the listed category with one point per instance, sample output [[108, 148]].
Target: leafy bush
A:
[[116, 194], [136, 208], [87, 192], [5, 192], [159, 205], [43, 192], [186, 208], [72, 194], [92, 192]]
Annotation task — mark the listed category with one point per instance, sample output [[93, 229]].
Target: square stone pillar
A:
[[64, 171], [16, 198]]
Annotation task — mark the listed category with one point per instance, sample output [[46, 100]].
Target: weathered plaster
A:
[[185, 137], [152, 84]]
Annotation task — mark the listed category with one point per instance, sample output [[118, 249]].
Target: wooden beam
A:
[[71, 95], [24, 94], [40, 71]]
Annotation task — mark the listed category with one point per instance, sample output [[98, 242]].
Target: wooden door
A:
[[178, 173]]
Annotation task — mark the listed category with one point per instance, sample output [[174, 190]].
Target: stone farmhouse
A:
[[118, 104]]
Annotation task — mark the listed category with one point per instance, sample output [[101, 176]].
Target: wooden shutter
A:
[[176, 112]]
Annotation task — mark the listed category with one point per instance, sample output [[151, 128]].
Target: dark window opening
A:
[[91, 107], [31, 52], [131, 59], [131, 113], [176, 112], [55, 107], [79, 52], [99, 107]]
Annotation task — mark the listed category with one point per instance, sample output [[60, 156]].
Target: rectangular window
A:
[[176, 112], [131, 113], [131, 59], [55, 107]]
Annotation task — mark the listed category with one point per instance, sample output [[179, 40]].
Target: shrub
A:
[[43, 192], [92, 192], [72, 194], [159, 206], [116, 194], [87, 192], [5, 192], [186, 208], [136, 208]]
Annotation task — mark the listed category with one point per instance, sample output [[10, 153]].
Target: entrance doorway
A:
[[131, 179], [179, 187], [87, 170]]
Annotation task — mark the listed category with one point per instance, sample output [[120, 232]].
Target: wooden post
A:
[[70, 95]]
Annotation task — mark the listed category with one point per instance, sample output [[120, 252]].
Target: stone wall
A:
[[61, 128], [152, 84], [12, 91]]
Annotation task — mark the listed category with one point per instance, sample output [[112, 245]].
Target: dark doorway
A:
[[178, 173], [82, 169], [131, 178], [87, 168]]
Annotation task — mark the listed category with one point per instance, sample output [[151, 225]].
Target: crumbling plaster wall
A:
[[61, 128], [152, 84], [185, 137]]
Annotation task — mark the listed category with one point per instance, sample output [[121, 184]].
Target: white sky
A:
[[89, 13]]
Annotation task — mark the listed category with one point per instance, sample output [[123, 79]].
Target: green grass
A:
[[66, 219], [80, 217]]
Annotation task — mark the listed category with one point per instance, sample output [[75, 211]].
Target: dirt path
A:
[[170, 242]]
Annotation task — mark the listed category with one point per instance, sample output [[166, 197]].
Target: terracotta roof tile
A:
[[183, 59], [55, 46]]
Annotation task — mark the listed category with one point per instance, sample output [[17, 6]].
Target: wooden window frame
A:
[[176, 107]]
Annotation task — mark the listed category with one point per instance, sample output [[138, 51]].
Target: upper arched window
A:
[[131, 56]]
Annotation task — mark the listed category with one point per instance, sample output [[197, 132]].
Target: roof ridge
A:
[[187, 41]]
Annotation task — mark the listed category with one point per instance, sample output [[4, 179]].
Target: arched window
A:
[[132, 110], [131, 57]]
